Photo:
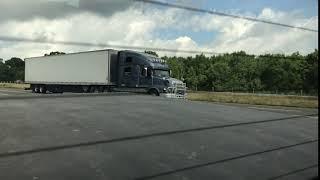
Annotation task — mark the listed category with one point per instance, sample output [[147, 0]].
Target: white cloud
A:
[[134, 28], [261, 38]]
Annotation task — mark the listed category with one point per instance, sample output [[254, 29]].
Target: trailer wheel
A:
[[85, 89], [33, 89], [43, 89], [55, 89], [60, 89], [90, 89], [109, 89], [36, 89], [101, 89]]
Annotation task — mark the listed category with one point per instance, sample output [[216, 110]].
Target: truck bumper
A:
[[174, 96], [177, 91]]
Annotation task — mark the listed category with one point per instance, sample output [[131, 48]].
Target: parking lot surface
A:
[[137, 136]]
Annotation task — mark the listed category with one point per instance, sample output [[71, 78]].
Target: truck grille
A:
[[177, 90]]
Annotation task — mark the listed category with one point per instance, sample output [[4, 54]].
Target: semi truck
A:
[[100, 71]]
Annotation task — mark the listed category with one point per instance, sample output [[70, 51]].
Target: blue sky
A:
[[308, 8], [120, 22]]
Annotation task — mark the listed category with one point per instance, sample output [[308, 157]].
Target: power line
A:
[[107, 141], [224, 160], [271, 56], [77, 43], [223, 14], [294, 172]]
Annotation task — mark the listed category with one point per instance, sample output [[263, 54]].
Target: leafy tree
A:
[[4, 72], [177, 67], [54, 53], [242, 72], [16, 69], [311, 73], [219, 75]]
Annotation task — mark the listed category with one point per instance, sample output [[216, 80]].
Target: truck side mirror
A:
[[170, 72]]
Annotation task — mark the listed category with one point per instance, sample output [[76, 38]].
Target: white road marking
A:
[[273, 109], [3, 94], [313, 117]]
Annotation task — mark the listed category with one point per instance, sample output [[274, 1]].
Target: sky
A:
[[123, 22]]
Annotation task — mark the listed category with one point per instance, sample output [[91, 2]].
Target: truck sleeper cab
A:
[[145, 73]]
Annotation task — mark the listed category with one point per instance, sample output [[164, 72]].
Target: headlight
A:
[[164, 89]]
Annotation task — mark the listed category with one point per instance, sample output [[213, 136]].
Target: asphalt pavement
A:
[[122, 136], [12, 92]]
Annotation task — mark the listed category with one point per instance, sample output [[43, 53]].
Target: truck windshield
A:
[[161, 73]]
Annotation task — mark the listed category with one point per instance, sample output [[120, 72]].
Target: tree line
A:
[[12, 70], [237, 71], [247, 73]]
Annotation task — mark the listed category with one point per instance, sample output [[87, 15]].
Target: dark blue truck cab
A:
[[147, 73]]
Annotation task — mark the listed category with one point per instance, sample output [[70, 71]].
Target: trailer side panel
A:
[[78, 68]]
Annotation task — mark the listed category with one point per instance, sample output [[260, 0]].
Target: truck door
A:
[[145, 77], [126, 76], [135, 76], [131, 76]]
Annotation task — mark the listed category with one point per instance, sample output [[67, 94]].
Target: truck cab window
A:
[[149, 73], [143, 71], [127, 71], [129, 60], [161, 73]]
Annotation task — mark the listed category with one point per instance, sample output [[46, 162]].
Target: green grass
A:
[[14, 85], [256, 99]]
